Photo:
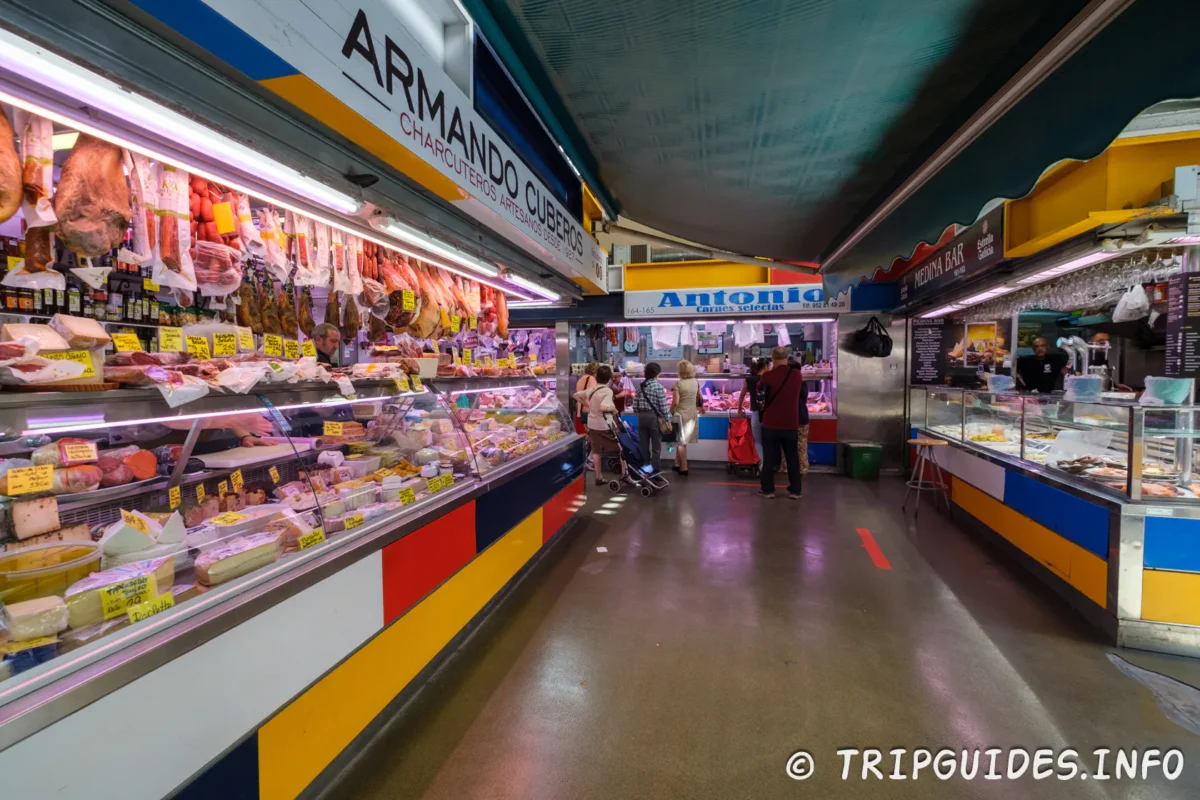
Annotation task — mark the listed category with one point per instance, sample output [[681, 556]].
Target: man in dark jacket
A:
[[783, 392]]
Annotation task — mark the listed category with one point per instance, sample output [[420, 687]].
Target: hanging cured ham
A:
[[287, 314], [307, 324], [11, 185], [92, 201], [502, 315]]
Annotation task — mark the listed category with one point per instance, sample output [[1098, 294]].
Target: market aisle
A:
[[720, 633]]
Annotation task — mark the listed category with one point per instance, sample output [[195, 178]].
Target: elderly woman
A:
[[684, 399], [599, 404]]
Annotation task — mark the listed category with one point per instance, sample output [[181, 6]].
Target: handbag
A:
[[872, 340], [664, 425]]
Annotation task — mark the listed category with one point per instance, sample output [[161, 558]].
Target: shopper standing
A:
[[782, 390], [650, 405], [582, 386], [684, 396], [622, 390], [757, 367], [600, 405]]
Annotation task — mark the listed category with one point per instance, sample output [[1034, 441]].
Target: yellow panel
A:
[[312, 99], [693, 275], [303, 738], [1171, 596], [1089, 574]]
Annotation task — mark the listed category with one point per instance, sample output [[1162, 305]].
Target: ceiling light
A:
[[65, 141], [1069, 266], [941, 312], [424, 241], [89, 89], [1184, 240], [533, 287], [535, 304]]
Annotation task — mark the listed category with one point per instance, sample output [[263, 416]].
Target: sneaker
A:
[[768, 495], [796, 496], [601, 482]]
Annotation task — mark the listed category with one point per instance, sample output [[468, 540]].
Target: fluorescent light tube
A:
[[418, 239], [533, 287], [1069, 266]]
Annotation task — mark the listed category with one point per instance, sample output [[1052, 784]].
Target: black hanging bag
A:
[[872, 340]]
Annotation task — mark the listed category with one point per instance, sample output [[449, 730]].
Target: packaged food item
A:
[[36, 135], [218, 269], [33, 619], [66, 452], [172, 256], [92, 201], [238, 557], [84, 603], [291, 526], [72, 480], [80, 332], [31, 517]]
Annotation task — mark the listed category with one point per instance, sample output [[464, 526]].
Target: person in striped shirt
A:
[[650, 405]]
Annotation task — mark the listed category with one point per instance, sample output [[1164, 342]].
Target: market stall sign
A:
[[79, 356], [308, 349], [732, 300], [198, 347], [149, 608], [170, 340], [127, 343], [968, 255]]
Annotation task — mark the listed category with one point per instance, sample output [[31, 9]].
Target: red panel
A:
[[418, 563], [560, 509], [822, 430], [783, 277]]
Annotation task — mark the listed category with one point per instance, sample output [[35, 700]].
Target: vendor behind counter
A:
[[1043, 371]]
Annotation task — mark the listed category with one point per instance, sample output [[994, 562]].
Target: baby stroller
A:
[[634, 469], [742, 455]]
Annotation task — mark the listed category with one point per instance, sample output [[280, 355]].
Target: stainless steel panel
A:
[[871, 390], [1128, 572], [562, 361], [1159, 637]]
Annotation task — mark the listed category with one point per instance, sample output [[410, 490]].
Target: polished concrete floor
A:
[[687, 645]]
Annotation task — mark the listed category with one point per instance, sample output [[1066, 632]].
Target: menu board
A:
[[932, 342], [1183, 326]]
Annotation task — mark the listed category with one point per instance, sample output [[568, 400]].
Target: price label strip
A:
[[170, 340], [402, 384], [309, 539], [149, 285], [84, 451], [114, 599], [353, 521], [274, 471], [198, 347], [149, 608], [200, 495], [245, 338], [407, 496], [225, 344], [80, 356], [29, 480], [416, 383], [455, 323], [222, 488]]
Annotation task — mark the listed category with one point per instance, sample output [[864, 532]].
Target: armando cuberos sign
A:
[[733, 301]]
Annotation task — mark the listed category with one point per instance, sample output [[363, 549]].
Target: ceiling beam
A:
[[660, 240]]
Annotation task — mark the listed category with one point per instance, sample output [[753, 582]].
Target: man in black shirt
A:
[[1041, 371]]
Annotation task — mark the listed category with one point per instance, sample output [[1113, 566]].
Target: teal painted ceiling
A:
[[768, 127]]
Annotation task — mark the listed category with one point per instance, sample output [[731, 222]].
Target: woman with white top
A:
[[599, 405], [684, 402]]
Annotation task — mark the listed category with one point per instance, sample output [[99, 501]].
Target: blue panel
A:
[[869, 296], [714, 428], [498, 511], [219, 36], [1071, 517], [1172, 543], [824, 453], [233, 777]]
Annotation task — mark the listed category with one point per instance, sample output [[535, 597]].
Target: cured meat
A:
[[92, 202], [11, 186], [307, 324], [427, 319], [248, 315], [332, 317], [161, 359], [39, 249], [287, 314], [376, 329], [351, 320], [270, 311], [502, 315]]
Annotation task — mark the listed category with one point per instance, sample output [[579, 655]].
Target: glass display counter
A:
[[720, 392], [1123, 450], [116, 508]]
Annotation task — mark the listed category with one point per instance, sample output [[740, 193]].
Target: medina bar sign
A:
[[732, 300], [969, 254]]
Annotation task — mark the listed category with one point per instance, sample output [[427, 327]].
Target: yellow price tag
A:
[[386, 348], [222, 488], [225, 344], [170, 340], [245, 338], [455, 323], [457, 359], [333, 429], [309, 539], [273, 345], [372, 367], [353, 521], [434, 484], [447, 480], [27, 480], [200, 493], [236, 478], [28, 644], [127, 343], [466, 355], [175, 497], [408, 301], [135, 522], [80, 356], [487, 360], [402, 384], [291, 349], [416, 383], [198, 347], [274, 474], [308, 348], [474, 322], [223, 216], [149, 285], [116, 598], [84, 451], [228, 518], [151, 607], [407, 496], [444, 317], [533, 358]]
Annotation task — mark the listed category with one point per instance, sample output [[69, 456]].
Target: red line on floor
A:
[[877, 556]]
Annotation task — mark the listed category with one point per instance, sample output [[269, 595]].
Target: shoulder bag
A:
[[664, 425], [872, 340]]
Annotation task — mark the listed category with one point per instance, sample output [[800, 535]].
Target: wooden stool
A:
[[936, 482]]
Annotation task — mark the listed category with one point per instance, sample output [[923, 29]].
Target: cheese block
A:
[[172, 530], [80, 332], [238, 557], [31, 517], [75, 533], [177, 552], [83, 597], [45, 336], [32, 619], [121, 538]]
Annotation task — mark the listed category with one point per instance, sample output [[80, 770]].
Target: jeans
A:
[[756, 429], [649, 438], [773, 440]]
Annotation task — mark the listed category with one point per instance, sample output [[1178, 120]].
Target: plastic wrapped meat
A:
[[37, 176], [136, 375], [161, 359], [218, 269], [39, 370], [92, 202], [287, 314]]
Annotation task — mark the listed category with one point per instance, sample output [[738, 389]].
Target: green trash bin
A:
[[862, 460]]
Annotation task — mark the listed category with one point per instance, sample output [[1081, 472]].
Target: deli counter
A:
[[134, 535], [1099, 499]]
